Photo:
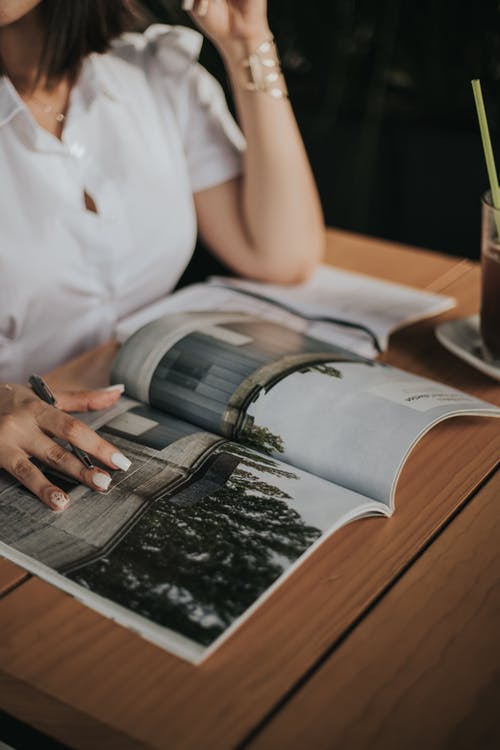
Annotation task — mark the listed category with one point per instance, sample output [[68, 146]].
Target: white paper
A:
[[380, 306]]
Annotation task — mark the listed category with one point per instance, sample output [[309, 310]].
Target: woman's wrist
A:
[[234, 49], [254, 66]]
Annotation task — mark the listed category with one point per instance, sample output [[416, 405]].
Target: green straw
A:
[[488, 151]]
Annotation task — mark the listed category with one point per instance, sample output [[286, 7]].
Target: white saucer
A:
[[461, 337]]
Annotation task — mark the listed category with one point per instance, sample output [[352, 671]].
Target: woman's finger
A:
[[202, 7], [17, 463], [89, 400], [198, 7], [77, 433], [57, 457]]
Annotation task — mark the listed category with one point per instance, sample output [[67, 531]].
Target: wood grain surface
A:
[[423, 668], [10, 575], [392, 261], [90, 683]]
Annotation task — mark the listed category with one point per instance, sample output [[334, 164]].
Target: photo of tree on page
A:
[[189, 540], [197, 559]]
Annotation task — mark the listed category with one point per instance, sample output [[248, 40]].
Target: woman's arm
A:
[[267, 224]]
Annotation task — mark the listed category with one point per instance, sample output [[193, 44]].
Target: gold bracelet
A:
[[263, 71]]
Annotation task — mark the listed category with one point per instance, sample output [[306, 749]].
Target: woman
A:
[[113, 155]]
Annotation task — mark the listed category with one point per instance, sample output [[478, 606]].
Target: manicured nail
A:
[[187, 4], [203, 8], [59, 500], [118, 387], [101, 480], [121, 461]]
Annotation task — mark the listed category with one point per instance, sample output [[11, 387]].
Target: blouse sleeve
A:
[[213, 142]]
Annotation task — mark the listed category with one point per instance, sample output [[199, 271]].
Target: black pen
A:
[[43, 391]]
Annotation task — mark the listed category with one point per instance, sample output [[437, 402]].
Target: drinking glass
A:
[[490, 281]]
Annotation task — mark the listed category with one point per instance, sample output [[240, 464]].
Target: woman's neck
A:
[[21, 46]]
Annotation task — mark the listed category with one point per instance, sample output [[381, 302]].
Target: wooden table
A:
[[386, 637]]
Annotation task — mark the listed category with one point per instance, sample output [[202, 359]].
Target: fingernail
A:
[[101, 480], [118, 387], [59, 500], [121, 461], [187, 4]]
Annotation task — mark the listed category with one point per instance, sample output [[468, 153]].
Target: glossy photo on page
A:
[[187, 542], [309, 403]]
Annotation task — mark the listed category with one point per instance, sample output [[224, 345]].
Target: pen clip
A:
[[83, 457], [42, 390]]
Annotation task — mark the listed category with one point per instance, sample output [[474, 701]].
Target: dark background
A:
[[382, 95]]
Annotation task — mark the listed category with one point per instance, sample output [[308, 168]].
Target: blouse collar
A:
[[94, 78], [10, 101]]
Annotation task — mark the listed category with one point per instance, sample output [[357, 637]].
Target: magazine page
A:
[[213, 298], [184, 545], [348, 309], [331, 293], [318, 407]]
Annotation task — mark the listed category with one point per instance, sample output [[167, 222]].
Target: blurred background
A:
[[382, 95]]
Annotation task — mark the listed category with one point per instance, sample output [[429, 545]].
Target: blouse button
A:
[[77, 150]]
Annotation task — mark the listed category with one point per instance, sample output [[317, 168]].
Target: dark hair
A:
[[74, 29]]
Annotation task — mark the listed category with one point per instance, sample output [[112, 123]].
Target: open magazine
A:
[[251, 442]]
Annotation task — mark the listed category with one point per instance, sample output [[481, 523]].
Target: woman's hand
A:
[[27, 426], [228, 21]]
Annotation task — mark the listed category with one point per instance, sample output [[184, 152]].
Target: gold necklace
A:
[[48, 108]]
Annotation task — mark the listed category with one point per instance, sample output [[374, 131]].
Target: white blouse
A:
[[147, 127]]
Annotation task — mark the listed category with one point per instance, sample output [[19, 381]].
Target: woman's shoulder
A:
[[162, 63], [173, 48]]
